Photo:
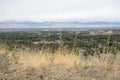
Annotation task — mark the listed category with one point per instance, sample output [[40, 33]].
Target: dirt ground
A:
[[59, 72]]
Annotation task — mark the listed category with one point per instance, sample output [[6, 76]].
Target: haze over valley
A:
[[56, 25]]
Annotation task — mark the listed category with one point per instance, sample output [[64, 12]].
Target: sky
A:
[[60, 10]]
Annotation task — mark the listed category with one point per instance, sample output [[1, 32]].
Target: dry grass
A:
[[68, 59], [46, 59], [102, 67]]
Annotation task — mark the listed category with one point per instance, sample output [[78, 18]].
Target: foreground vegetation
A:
[[59, 56], [65, 64]]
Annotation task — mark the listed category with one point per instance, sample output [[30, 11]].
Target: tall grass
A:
[[65, 57], [75, 40], [22, 62]]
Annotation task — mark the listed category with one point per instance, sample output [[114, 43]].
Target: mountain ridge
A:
[[45, 24]]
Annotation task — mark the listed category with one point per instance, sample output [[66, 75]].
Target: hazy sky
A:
[[60, 10]]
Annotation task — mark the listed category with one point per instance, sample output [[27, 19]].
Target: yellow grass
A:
[[62, 61], [64, 56], [46, 59], [67, 58]]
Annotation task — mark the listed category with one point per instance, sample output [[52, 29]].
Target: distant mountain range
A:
[[30, 24]]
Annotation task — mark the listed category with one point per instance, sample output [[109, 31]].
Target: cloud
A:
[[51, 10]]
